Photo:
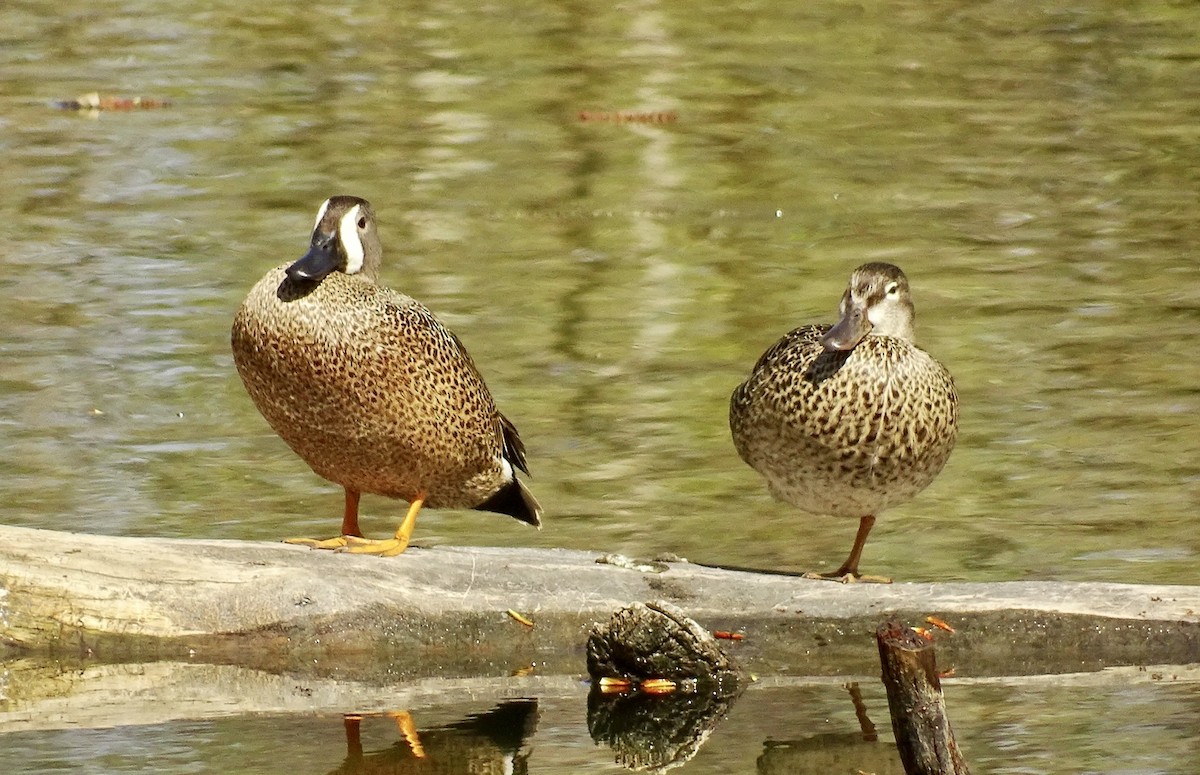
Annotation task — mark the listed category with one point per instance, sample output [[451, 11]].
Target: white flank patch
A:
[[348, 236], [321, 214]]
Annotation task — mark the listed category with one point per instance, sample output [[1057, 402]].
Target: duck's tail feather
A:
[[515, 500]]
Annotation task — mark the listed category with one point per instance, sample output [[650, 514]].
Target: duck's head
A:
[[344, 239], [876, 303]]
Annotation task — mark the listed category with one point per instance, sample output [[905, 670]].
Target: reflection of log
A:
[[923, 734], [655, 733], [276, 606], [42, 694]]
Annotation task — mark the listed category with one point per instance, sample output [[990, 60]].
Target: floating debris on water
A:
[[629, 116], [939, 623], [519, 618], [95, 101]]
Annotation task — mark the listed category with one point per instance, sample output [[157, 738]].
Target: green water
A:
[[1033, 169]]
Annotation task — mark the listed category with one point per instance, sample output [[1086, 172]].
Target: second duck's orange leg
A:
[[849, 570]]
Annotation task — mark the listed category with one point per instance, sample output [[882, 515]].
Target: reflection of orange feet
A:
[[353, 723], [408, 730]]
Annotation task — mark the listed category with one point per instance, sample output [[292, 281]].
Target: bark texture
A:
[[924, 737]]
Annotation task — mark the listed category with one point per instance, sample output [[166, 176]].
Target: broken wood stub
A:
[[923, 734], [657, 640], [654, 731]]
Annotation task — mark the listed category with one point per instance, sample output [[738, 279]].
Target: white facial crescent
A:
[[351, 244]]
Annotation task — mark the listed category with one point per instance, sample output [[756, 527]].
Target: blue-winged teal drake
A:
[[370, 389], [850, 419]]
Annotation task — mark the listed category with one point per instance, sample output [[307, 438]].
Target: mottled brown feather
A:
[[847, 433]]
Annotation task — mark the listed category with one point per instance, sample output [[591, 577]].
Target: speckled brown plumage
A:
[[368, 387], [849, 432]]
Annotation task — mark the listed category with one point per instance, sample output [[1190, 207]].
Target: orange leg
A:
[[849, 570], [349, 526], [388, 547], [350, 514]]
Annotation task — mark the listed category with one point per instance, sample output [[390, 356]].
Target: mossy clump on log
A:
[[645, 641], [660, 684]]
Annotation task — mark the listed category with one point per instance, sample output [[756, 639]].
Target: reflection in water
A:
[[860, 711], [823, 754], [654, 733], [833, 752], [489, 742]]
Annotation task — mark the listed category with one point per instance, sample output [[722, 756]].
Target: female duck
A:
[[850, 419]]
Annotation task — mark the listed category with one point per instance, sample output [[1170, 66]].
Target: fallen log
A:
[[924, 737], [445, 611]]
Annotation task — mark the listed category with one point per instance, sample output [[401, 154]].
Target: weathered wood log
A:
[[443, 611], [924, 737]]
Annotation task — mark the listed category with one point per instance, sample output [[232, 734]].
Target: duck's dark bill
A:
[[848, 331], [320, 260]]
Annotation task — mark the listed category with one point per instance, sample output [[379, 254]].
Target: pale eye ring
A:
[[892, 289], [362, 223]]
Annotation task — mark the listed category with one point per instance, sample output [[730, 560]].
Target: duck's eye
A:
[[893, 289], [362, 223]]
